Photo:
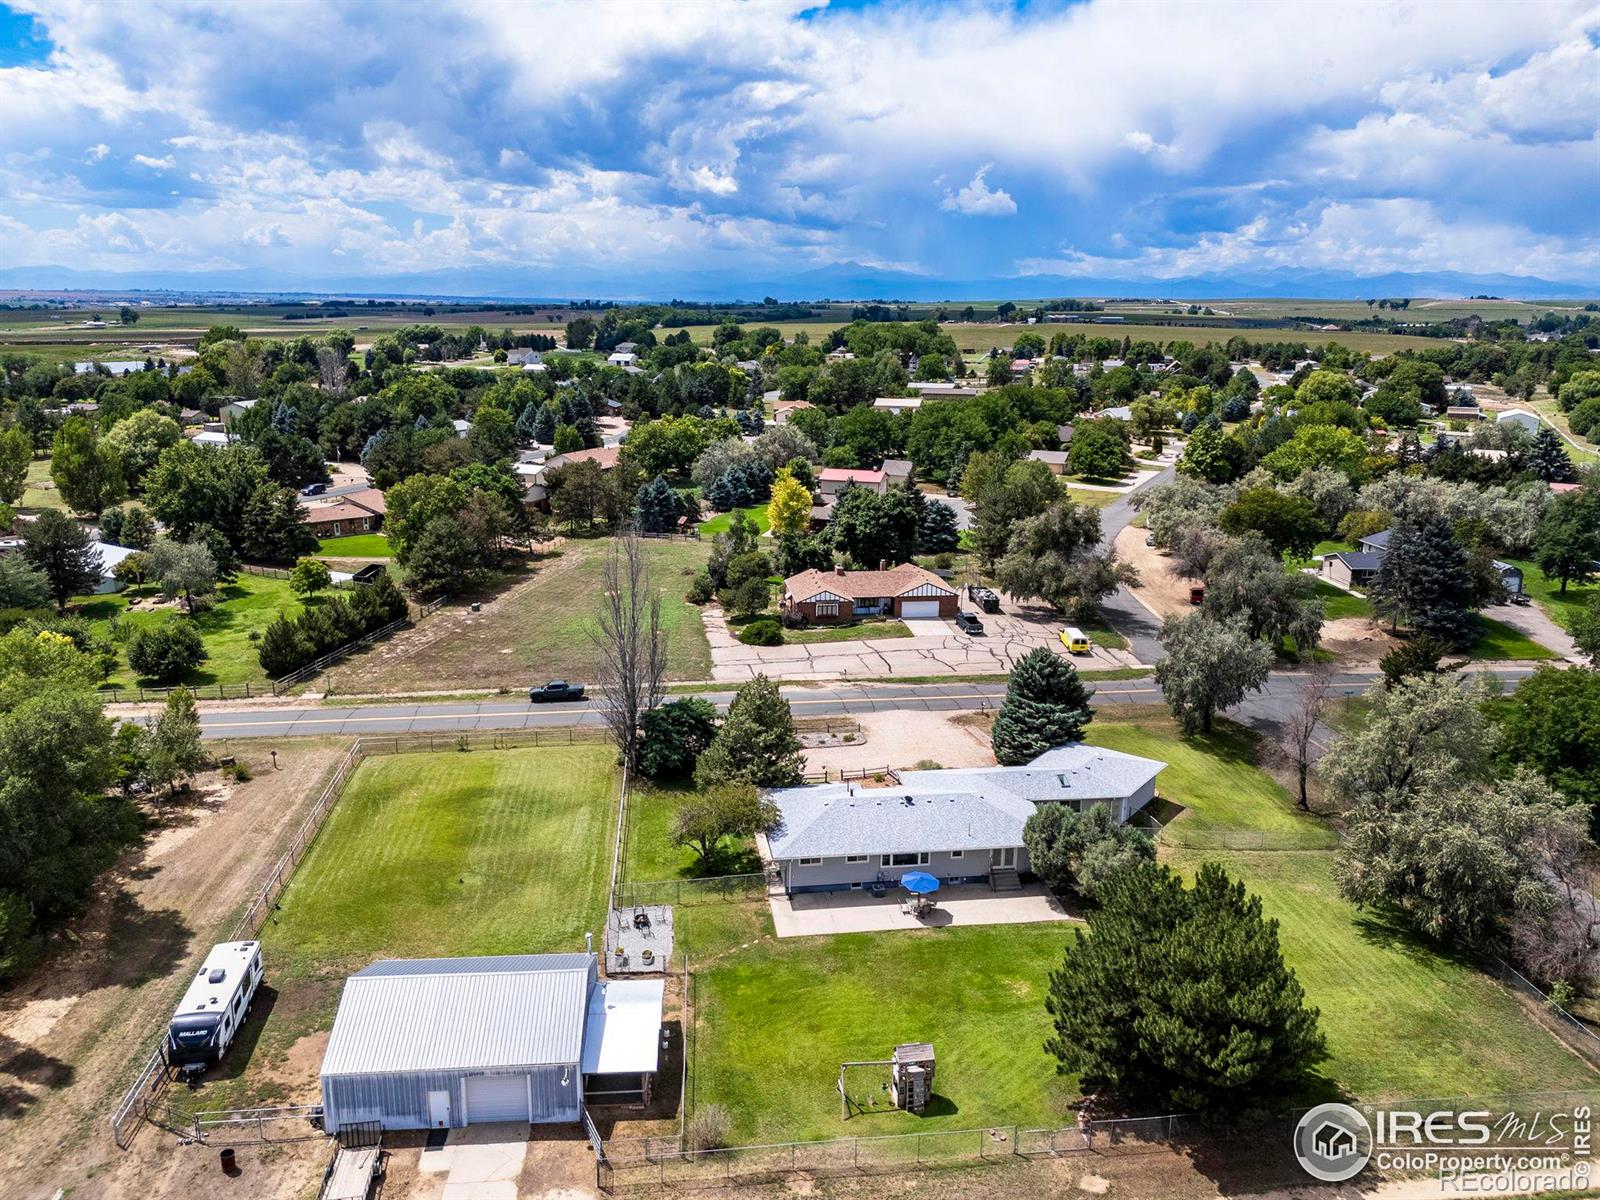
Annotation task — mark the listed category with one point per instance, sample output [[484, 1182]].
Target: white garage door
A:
[[920, 608], [497, 1098]]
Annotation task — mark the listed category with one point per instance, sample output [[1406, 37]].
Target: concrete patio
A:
[[813, 914]]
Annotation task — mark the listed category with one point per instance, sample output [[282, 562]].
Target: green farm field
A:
[[426, 855]]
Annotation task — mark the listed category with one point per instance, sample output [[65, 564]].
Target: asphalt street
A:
[[1261, 710]]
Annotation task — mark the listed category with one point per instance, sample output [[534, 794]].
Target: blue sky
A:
[[1151, 140]]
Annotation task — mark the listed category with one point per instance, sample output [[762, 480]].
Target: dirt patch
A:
[[73, 1029], [1160, 588], [1356, 640], [903, 739]]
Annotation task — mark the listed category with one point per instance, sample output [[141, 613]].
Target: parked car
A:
[[968, 622], [313, 489], [984, 598], [1075, 640], [556, 689]]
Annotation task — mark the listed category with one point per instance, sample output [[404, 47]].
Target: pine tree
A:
[[655, 508], [282, 649], [1548, 459], [1179, 997], [940, 531], [1046, 704], [544, 423], [1423, 581], [60, 549], [756, 744]]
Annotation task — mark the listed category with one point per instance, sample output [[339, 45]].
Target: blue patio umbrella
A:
[[919, 882]]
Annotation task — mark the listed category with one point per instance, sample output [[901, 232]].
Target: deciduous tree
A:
[[62, 551], [1209, 665]]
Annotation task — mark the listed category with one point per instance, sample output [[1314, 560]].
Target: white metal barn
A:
[[442, 1043]]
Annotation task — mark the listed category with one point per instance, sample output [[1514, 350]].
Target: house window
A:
[[829, 609], [855, 858], [956, 853], [810, 862], [906, 859]]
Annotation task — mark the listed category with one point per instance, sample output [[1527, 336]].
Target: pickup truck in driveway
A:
[[556, 689]]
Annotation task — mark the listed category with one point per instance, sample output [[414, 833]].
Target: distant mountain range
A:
[[840, 281]]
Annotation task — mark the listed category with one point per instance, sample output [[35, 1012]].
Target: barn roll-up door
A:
[[497, 1098]]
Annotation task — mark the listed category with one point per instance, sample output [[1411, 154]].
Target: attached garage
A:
[[441, 1043], [920, 608]]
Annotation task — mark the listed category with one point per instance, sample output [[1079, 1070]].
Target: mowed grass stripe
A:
[[498, 852], [1402, 1018]]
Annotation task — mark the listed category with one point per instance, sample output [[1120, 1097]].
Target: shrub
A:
[[239, 772], [709, 1128], [167, 651], [927, 764], [765, 632], [700, 589], [944, 561]]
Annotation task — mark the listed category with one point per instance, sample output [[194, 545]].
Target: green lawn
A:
[[865, 630], [247, 605], [1338, 603], [1499, 642], [1400, 1017], [720, 522], [775, 1021], [39, 492], [650, 852], [1546, 593], [359, 545], [1090, 497], [424, 856]]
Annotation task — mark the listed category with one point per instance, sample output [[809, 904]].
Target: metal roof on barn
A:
[[453, 1014]]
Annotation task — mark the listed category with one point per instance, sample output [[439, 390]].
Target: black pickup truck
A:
[[556, 689]]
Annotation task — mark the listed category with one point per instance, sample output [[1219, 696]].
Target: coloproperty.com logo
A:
[[1469, 1150]]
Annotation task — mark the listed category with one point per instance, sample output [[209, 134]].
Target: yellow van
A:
[[1075, 640]]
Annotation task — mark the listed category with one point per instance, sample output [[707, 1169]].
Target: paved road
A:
[[1264, 710], [1125, 614]]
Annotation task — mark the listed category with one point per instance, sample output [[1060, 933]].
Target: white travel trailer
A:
[[213, 1008]]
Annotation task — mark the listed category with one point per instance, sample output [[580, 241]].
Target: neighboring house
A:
[[784, 409], [523, 358], [534, 475], [1463, 412], [1355, 568], [833, 480], [838, 596], [626, 347], [1021, 366], [1120, 413], [110, 555], [235, 409], [896, 471], [898, 404], [840, 354], [1519, 417], [943, 391], [210, 437], [1056, 460], [446, 1042], [356, 512], [621, 358], [963, 826], [461, 426], [113, 368], [1064, 434]]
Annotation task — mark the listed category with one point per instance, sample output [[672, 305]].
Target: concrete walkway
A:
[[812, 914]]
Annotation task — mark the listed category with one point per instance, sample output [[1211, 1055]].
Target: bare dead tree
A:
[[1300, 730], [631, 643], [333, 370]]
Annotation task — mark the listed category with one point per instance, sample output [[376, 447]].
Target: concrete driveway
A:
[[1533, 621], [480, 1162], [928, 626], [1008, 636]]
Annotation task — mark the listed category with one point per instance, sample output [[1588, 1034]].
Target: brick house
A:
[[838, 596], [833, 480], [358, 512]]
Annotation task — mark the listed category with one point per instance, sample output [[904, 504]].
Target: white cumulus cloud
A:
[[977, 199]]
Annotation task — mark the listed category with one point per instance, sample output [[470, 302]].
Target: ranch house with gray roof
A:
[[963, 826]]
